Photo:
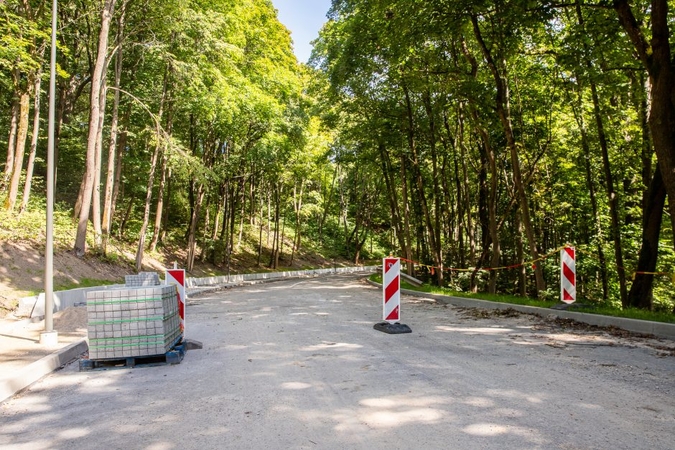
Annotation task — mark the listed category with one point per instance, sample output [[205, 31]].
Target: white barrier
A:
[[241, 278], [34, 306]]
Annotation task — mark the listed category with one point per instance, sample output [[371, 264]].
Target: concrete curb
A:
[[658, 329], [35, 306], [33, 372]]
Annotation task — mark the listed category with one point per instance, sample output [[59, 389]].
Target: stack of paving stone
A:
[[142, 279], [132, 322]]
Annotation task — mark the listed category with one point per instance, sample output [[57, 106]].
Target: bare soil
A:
[[23, 266]]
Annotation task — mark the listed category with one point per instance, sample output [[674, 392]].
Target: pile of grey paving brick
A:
[[142, 279], [138, 320]]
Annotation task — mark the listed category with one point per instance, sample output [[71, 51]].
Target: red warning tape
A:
[[532, 264]]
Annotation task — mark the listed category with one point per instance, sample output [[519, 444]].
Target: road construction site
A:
[[297, 364]]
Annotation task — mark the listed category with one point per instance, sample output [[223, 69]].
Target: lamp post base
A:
[[49, 338]]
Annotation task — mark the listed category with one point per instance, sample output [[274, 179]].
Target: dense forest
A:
[[473, 139]]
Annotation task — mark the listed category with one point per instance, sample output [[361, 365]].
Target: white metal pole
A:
[[50, 337]]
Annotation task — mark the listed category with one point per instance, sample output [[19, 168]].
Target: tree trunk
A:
[[224, 235], [220, 213], [94, 111], [283, 238], [160, 205], [436, 242], [114, 130], [33, 143], [504, 113], [194, 219], [127, 215], [98, 158], [166, 208], [297, 206], [327, 200], [21, 135], [640, 295], [269, 218], [242, 213], [609, 178], [522, 275], [492, 214], [398, 226], [586, 150], [490, 226], [438, 261], [11, 141], [121, 145], [483, 210], [612, 196], [205, 232], [467, 194], [457, 235], [260, 244], [159, 212], [146, 214], [487, 230], [656, 58], [274, 257], [405, 206], [231, 221], [151, 176]]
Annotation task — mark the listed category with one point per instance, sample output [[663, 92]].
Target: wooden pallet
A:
[[173, 356]]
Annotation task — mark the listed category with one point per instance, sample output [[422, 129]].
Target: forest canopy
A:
[[474, 140]]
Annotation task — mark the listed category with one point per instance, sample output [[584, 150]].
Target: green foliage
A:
[[20, 36], [415, 82], [393, 139]]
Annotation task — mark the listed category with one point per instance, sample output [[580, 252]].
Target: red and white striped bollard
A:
[[391, 298], [177, 277], [568, 275], [391, 289]]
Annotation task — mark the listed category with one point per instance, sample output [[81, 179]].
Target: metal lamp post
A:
[[50, 337]]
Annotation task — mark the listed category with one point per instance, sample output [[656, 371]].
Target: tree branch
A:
[[630, 24]]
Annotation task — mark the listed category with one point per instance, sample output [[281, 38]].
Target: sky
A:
[[304, 18]]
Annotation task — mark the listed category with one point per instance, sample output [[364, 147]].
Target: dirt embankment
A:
[[23, 267]]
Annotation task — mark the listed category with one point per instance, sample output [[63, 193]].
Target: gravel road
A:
[[297, 365]]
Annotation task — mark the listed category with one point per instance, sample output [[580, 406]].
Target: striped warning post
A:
[[391, 288], [177, 277], [568, 275]]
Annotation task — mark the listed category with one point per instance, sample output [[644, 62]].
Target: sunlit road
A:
[[298, 365]]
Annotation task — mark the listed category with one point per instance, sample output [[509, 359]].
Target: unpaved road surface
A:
[[298, 365]]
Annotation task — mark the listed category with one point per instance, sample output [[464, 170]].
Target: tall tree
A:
[[657, 59], [97, 79], [114, 130]]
